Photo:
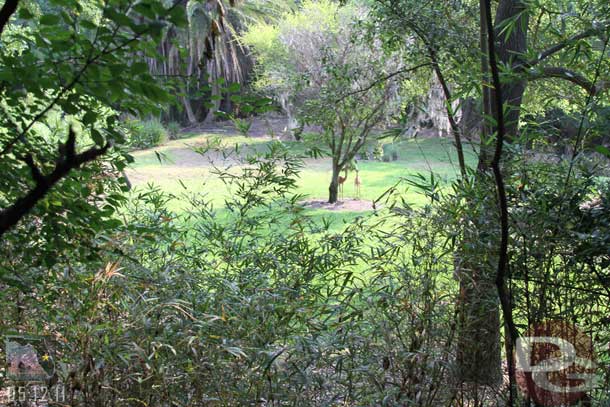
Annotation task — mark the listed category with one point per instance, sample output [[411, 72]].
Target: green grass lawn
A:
[[174, 166]]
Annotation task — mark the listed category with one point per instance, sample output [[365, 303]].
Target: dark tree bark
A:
[[479, 350], [67, 161], [470, 122], [333, 188], [485, 151], [8, 9], [510, 47], [479, 355]]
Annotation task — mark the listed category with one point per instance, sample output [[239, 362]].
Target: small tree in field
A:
[[321, 66], [347, 115]]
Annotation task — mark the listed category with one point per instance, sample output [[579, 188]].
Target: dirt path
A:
[[346, 205], [272, 127]]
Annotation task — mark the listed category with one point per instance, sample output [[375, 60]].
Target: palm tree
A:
[[207, 49]]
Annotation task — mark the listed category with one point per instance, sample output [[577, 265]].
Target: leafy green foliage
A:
[[145, 134], [245, 105], [173, 130], [70, 64], [252, 301], [390, 153], [235, 309], [319, 66]]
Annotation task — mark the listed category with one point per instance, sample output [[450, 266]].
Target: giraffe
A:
[[341, 181], [357, 184]]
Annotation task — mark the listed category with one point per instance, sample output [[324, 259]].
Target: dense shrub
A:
[[390, 153], [173, 130], [145, 134], [254, 303], [224, 307], [378, 151]]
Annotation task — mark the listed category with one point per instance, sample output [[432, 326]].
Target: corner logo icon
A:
[[555, 364], [28, 359]]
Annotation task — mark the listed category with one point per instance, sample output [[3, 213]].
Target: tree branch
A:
[[8, 9], [569, 75], [446, 91], [564, 44], [91, 59], [457, 136], [67, 161], [36, 174], [383, 79]]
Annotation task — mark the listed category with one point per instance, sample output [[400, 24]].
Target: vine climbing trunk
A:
[[502, 272], [479, 355]]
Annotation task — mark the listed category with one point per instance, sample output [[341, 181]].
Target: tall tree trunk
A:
[[479, 356], [486, 149], [511, 46], [333, 189], [293, 125], [479, 350], [189, 110], [510, 49], [470, 121]]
